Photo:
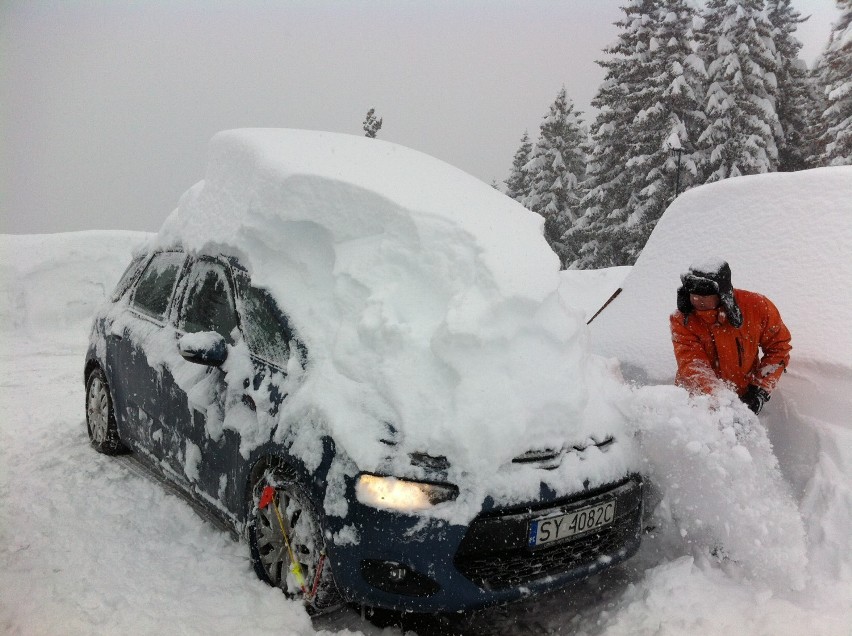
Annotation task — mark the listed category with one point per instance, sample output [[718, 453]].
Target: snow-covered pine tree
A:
[[835, 71], [795, 105], [600, 237], [557, 166], [812, 142], [671, 116], [519, 181], [742, 122], [371, 124]]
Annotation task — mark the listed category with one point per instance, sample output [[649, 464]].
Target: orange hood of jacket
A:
[[708, 349]]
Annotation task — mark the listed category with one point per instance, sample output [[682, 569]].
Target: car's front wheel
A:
[[100, 418], [287, 546]]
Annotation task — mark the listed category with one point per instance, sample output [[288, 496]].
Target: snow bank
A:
[[723, 489], [590, 289], [428, 302], [51, 284], [787, 236]]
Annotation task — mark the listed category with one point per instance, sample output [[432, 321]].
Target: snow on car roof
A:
[[353, 185], [427, 300]]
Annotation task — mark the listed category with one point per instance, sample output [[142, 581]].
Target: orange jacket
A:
[[708, 348]]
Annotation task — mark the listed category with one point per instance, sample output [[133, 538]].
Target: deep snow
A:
[[787, 236], [89, 546]]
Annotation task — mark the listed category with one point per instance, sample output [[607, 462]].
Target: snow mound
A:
[[786, 235], [427, 300], [51, 284], [590, 289], [724, 489]]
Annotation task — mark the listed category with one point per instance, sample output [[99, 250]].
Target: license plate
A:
[[564, 526]]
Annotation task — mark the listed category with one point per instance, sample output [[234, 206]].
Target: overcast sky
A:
[[107, 106]]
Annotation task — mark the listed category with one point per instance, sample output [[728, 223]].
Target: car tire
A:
[[270, 555], [100, 418]]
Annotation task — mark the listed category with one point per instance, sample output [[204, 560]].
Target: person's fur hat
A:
[[706, 280]]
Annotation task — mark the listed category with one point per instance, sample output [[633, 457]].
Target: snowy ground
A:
[[89, 545]]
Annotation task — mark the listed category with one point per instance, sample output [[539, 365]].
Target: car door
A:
[[206, 450], [137, 360]]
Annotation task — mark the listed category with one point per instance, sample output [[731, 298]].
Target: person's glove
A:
[[755, 397]]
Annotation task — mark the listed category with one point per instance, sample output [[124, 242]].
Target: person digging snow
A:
[[719, 332]]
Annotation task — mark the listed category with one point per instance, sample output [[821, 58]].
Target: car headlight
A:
[[403, 495]]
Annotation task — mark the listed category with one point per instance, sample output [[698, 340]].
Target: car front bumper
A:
[[407, 563]]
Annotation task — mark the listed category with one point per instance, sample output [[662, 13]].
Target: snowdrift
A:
[[787, 236], [51, 284], [589, 289]]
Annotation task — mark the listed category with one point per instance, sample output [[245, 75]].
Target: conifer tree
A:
[[835, 72], [519, 182], [741, 99], [372, 125], [795, 105], [600, 237], [670, 117], [557, 166], [813, 142]]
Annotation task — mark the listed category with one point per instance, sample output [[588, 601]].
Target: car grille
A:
[[494, 553]]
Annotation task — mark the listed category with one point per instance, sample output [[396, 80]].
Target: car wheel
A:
[[286, 541], [100, 419]]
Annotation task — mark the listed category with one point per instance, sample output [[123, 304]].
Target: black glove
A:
[[755, 397]]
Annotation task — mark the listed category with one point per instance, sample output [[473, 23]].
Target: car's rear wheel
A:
[[286, 541], [100, 418]]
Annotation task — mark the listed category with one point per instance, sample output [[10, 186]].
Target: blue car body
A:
[[447, 567]]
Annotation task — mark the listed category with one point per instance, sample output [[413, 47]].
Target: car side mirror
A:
[[205, 347]]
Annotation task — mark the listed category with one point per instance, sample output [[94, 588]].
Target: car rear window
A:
[[155, 287]]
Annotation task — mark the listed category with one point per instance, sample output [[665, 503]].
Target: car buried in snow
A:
[[328, 348]]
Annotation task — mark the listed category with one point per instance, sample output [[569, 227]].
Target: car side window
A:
[[266, 330], [157, 283], [209, 301]]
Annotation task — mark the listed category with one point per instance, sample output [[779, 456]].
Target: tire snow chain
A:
[[269, 495]]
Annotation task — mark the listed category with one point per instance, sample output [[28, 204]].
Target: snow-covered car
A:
[[357, 357]]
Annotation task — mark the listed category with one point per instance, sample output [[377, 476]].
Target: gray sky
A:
[[107, 106]]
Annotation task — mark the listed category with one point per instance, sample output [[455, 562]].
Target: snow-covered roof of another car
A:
[[428, 301]]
